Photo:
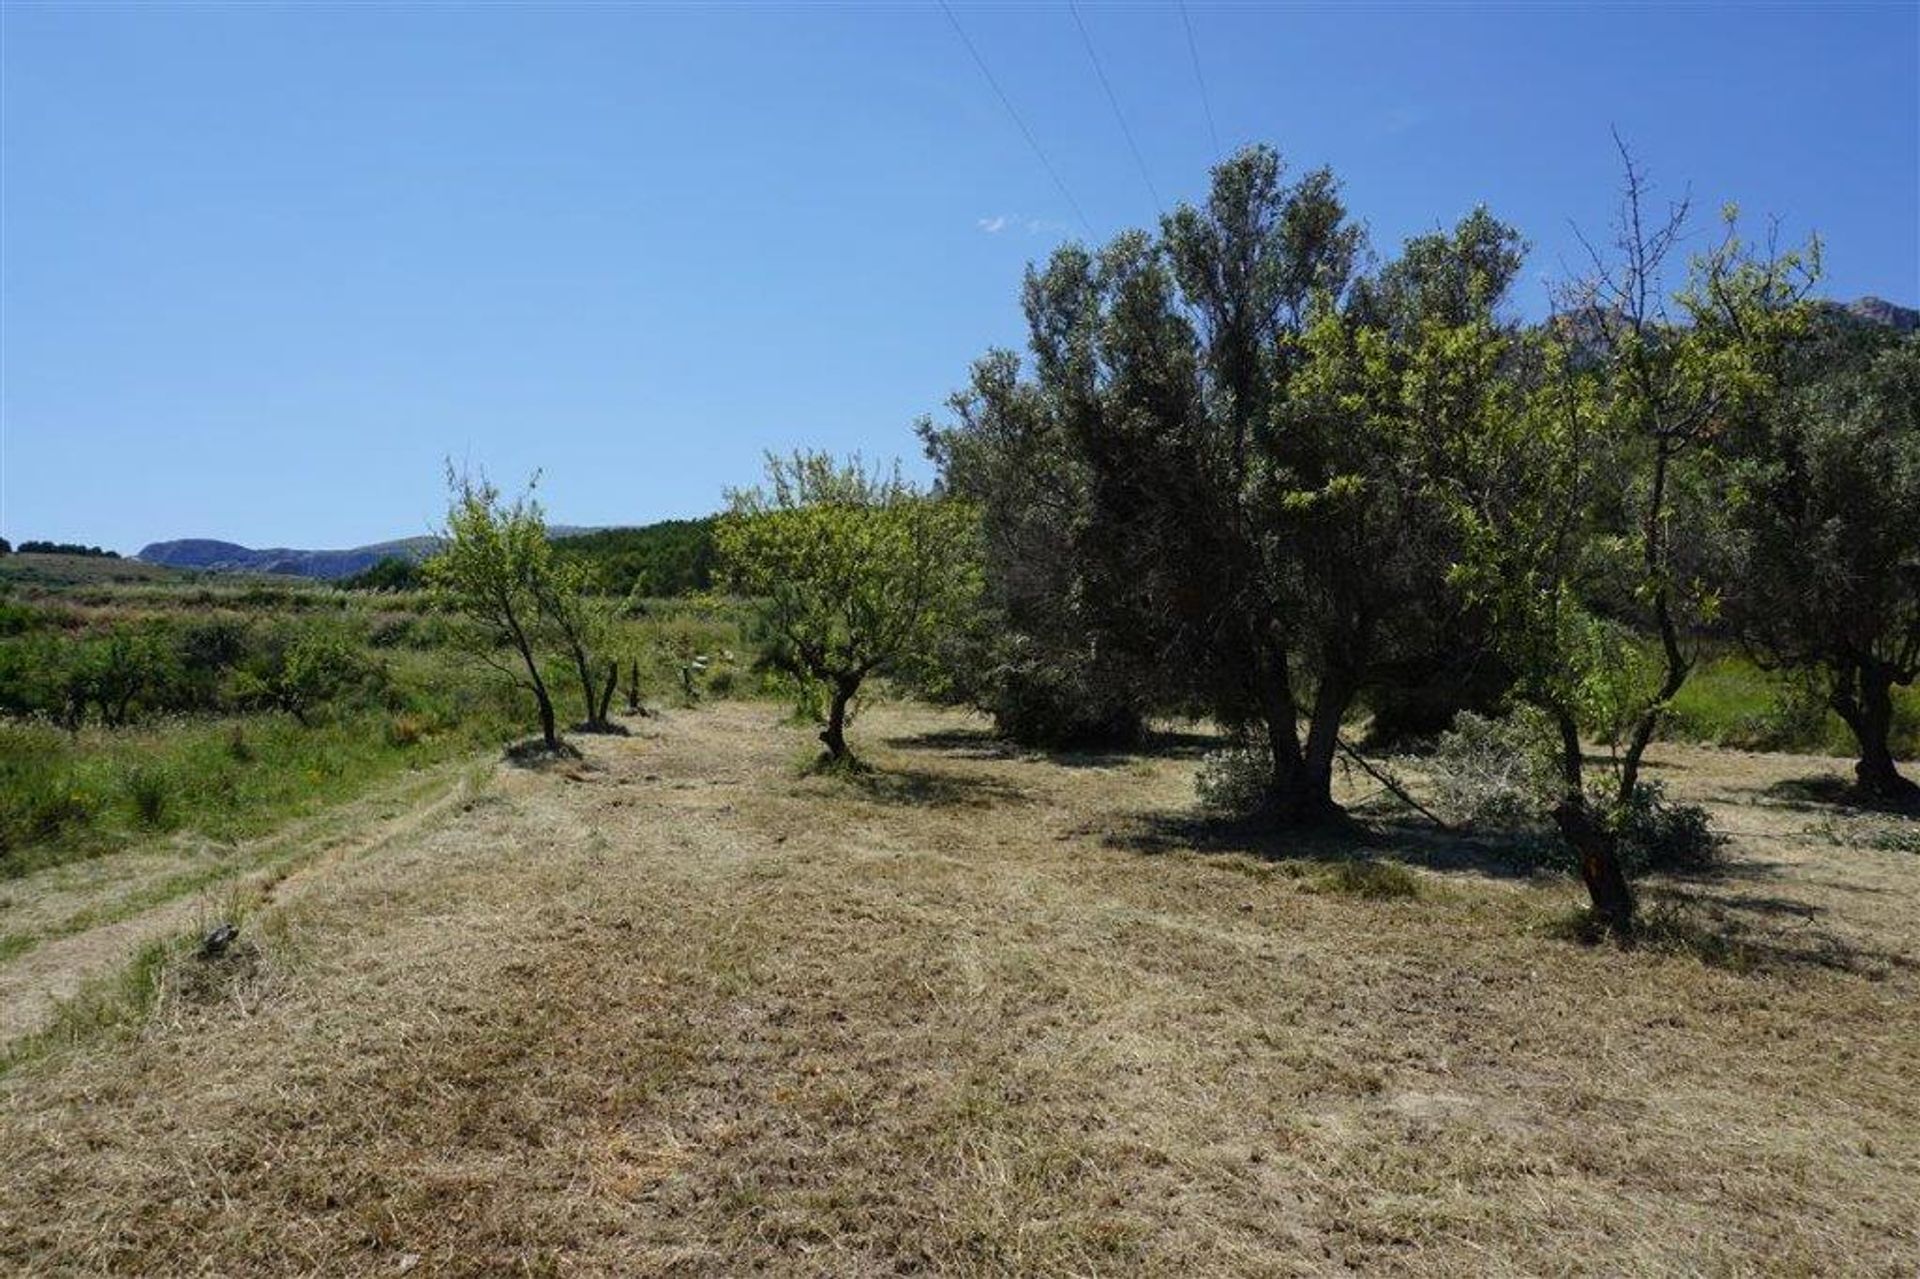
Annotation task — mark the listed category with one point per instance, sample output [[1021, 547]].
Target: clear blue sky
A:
[[265, 267]]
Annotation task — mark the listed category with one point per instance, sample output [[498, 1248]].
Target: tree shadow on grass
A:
[[985, 744], [1819, 791], [918, 787], [1408, 842], [1747, 933], [1739, 931], [536, 754]]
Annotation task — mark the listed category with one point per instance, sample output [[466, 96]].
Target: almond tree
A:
[[855, 571], [494, 561], [1586, 514]]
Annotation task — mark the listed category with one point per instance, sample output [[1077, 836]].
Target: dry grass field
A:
[[681, 1010]]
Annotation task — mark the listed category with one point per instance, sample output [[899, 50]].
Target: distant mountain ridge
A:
[[213, 556], [1903, 319]]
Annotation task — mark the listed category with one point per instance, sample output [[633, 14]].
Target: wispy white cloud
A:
[[1015, 222]]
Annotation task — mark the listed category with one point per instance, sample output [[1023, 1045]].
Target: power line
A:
[[1114, 101], [1206, 103], [1025, 132]]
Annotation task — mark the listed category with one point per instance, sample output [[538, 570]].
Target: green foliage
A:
[[1367, 880], [149, 791], [1824, 559], [1497, 774], [1234, 781], [669, 558], [65, 548], [494, 567], [66, 795], [1658, 835], [301, 669], [392, 573], [1219, 488], [856, 570]]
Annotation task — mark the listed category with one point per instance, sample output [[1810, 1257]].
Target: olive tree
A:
[[1825, 496], [855, 570], [1053, 652], [1234, 421]]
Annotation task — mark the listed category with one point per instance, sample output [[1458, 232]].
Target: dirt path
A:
[[681, 1011], [68, 952]]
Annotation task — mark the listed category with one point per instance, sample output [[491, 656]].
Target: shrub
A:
[[1234, 782], [1658, 835], [407, 729], [1062, 707], [391, 630], [301, 670], [1496, 774]]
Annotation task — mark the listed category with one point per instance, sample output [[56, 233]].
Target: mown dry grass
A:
[[681, 1010]]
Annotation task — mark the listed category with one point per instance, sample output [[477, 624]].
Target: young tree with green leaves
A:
[[582, 618], [855, 570], [493, 564], [1585, 513]]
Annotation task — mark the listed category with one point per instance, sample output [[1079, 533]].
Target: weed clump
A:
[[1368, 880], [1496, 774], [1657, 834], [149, 791]]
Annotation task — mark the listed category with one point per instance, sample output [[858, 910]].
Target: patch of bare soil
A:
[[678, 1009]]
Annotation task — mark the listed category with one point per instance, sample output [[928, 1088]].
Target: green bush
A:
[[1659, 835], [1235, 781], [1496, 774]]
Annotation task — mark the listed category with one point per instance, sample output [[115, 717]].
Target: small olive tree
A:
[[856, 571], [494, 563]]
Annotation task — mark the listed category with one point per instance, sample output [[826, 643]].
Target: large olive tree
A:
[[1234, 422]]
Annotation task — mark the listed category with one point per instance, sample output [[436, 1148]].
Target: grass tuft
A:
[[1369, 880]]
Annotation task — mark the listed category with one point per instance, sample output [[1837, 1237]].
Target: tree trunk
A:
[[548, 729], [834, 735], [1596, 848], [606, 692], [633, 688], [589, 693], [1330, 702], [1869, 713], [1296, 796], [1598, 851]]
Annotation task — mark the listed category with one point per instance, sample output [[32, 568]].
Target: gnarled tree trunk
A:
[[1863, 697], [834, 735]]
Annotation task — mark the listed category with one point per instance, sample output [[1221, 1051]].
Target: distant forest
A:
[[673, 557], [58, 548]]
